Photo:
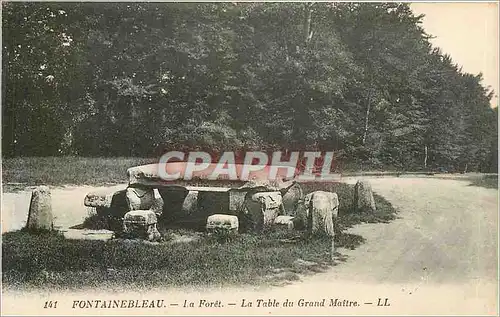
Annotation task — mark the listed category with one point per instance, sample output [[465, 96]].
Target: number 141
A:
[[50, 304]]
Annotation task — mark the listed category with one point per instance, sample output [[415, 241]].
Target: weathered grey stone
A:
[[301, 212], [363, 197], [140, 198], [141, 224], [323, 215], [107, 208], [212, 201], [322, 210], [220, 221], [173, 198], [40, 210], [236, 200], [190, 203], [158, 203], [284, 221], [99, 199], [292, 198], [85, 234], [108, 202], [262, 208]]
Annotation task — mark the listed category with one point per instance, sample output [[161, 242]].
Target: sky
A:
[[468, 32]]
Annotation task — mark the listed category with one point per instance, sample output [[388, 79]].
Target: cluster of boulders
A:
[[138, 207], [317, 212]]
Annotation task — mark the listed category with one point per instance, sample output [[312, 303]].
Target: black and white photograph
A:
[[249, 158]]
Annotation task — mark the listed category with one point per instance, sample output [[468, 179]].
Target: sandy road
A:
[[67, 206], [439, 257], [446, 232]]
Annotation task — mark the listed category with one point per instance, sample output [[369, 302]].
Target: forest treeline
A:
[[136, 79]]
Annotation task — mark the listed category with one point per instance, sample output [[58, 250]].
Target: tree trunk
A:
[[425, 158], [367, 116], [307, 27]]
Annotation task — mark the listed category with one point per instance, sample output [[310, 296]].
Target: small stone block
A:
[[285, 221], [221, 221], [141, 223], [146, 217], [98, 199]]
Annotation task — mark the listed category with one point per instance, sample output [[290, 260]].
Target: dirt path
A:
[[440, 256], [446, 232], [67, 206]]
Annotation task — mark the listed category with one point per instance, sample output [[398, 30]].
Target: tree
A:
[[126, 79]]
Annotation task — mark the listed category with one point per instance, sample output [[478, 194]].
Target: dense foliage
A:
[[135, 79]]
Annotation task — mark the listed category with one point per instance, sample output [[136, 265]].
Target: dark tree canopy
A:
[[136, 79]]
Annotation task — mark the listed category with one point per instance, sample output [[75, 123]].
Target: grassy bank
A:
[[17, 173], [29, 171], [50, 261], [486, 182]]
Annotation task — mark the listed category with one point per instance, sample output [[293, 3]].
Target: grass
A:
[[487, 181], [48, 260], [20, 172], [51, 261]]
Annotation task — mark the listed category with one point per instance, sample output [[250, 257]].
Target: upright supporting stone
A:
[[190, 203], [363, 197], [141, 198], [40, 212], [322, 215], [158, 203], [322, 212], [292, 198], [173, 200], [261, 208]]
